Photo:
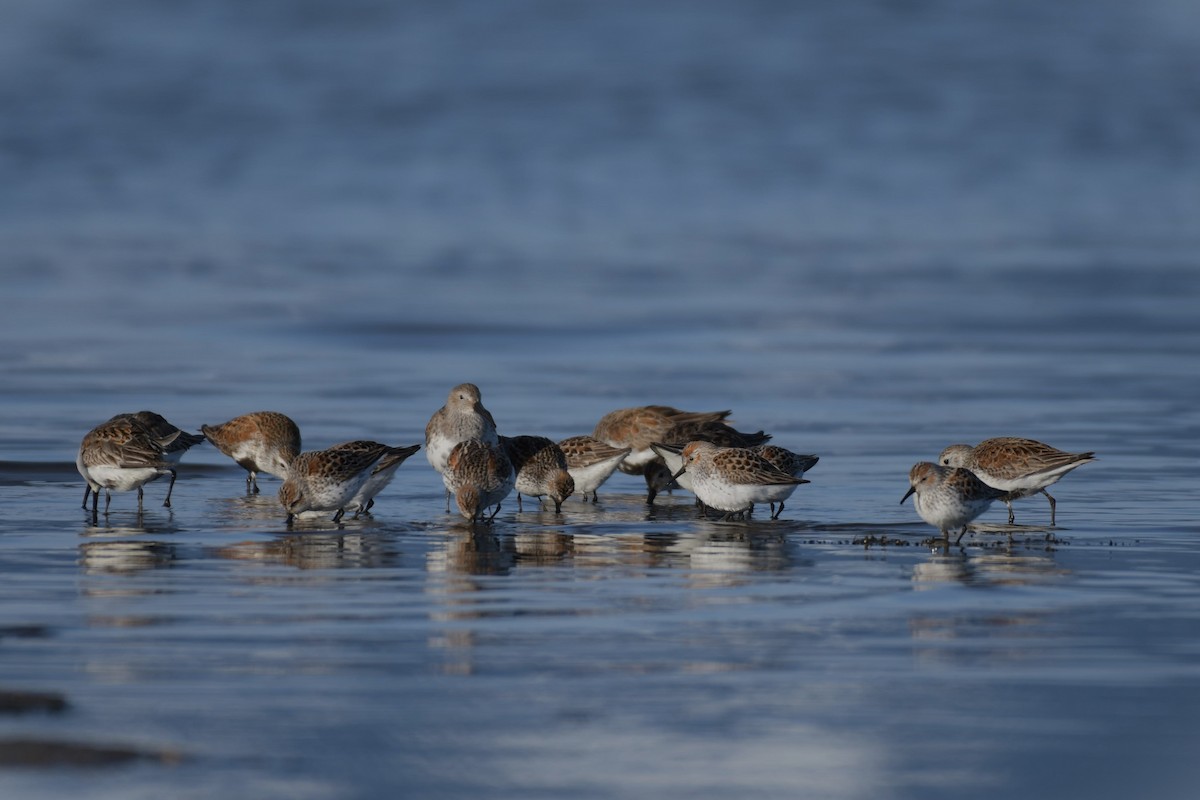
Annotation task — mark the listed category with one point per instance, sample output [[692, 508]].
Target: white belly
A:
[[330, 496], [588, 479], [372, 487], [124, 479]]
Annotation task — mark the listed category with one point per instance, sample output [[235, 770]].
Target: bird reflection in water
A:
[[239, 509], [133, 524], [123, 556], [318, 551], [472, 550], [999, 568], [717, 553], [990, 637], [112, 568], [117, 548], [543, 548], [459, 572], [738, 550]]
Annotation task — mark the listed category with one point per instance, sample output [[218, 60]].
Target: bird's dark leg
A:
[[519, 506], [447, 501], [959, 539], [777, 513], [497, 511], [1011, 517], [87, 490], [338, 516], [1052, 504], [370, 503], [107, 500], [170, 487], [139, 499]]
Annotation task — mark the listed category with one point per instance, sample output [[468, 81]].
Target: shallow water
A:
[[871, 231]]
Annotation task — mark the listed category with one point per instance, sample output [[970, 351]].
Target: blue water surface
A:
[[871, 229]]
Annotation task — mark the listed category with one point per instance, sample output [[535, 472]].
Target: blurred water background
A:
[[869, 228]]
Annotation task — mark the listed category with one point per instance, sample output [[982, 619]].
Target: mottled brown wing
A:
[[1011, 457], [786, 460], [708, 430], [744, 466], [227, 434], [499, 467], [520, 449], [434, 422], [133, 452], [269, 424], [395, 455], [676, 415], [348, 463], [551, 456], [633, 426], [173, 439], [968, 483]]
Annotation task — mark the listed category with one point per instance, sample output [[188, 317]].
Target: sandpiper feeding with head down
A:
[[180, 441], [329, 480], [541, 469], [480, 476], [638, 428], [262, 441], [1021, 467], [381, 474], [121, 455], [948, 498], [591, 462], [733, 479]]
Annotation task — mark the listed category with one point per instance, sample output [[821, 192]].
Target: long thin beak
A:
[[682, 470], [911, 489]]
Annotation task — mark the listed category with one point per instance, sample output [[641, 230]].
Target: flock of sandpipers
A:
[[729, 471]]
